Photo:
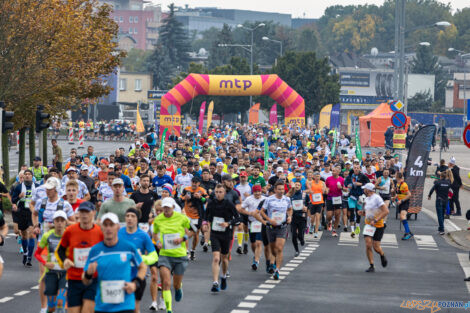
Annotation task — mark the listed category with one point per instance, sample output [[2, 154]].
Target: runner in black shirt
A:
[[144, 199]]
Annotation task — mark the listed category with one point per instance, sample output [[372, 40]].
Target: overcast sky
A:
[[298, 8]]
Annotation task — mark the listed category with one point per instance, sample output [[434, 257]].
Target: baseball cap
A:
[[118, 181], [369, 186], [452, 160], [110, 216], [298, 174], [71, 169], [167, 203], [59, 213], [279, 169], [111, 165], [256, 188], [86, 206], [84, 168], [244, 174], [348, 162], [356, 160], [37, 159], [52, 183]]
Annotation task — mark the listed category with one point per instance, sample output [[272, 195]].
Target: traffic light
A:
[[42, 119], [7, 117]]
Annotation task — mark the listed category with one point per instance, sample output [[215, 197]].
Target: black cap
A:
[[37, 159], [86, 206]]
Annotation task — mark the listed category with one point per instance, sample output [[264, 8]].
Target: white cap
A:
[[111, 165], [348, 162], [118, 181], [110, 216], [84, 168], [52, 183], [279, 169], [369, 186], [59, 213], [356, 160], [452, 160], [167, 202]]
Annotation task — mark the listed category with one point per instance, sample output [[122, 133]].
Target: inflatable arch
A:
[[230, 85]]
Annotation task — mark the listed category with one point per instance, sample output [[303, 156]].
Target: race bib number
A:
[[255, 227], [26, 203], [56, 265], [336, 200], [345, 193], [112, 291], [159, 191], [316, 197], [145, 227], [297, 205], [217, 224], [168, 241], [368, 230], [279, 217], [79, 256]]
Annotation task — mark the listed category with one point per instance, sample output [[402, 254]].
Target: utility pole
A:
[[397, 33], [402, 52]]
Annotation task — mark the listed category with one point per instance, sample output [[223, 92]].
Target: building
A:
[[132, 90], [457, 91], [297, 23]]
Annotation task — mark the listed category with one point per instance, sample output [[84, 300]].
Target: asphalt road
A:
[[328, 277]]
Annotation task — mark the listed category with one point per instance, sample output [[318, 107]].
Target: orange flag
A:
[[139, 124], [253, 116]]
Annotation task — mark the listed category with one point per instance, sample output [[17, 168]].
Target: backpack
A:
[[60, 207], [149, 138]]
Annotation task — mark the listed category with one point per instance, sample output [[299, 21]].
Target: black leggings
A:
[[298, 230], [455, 202], [353, 216]]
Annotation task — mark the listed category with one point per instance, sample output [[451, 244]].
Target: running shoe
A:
[[215, 287], [370, 269], [205, 247], [245, 249], [255, 264], [239, 250], [407, 236], [192, 255], [271, 268], [202, 241], [302, 243], [329, 226], [334, 234], [228, 274], [179, 294], [297, 253], [384, 260], [223, 283], [153, 306], [310, 230], [357, 230], [345, 229], [28, 263], [315, 235], [25, 259], [442, 233], [161, 303], [276, 275], [353, 234]]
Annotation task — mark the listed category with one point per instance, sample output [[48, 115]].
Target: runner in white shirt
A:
[[241, 232], [250, 208], [183, 180], [375, 211]]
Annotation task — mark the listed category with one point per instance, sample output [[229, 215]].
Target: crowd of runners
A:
[[98, 224]]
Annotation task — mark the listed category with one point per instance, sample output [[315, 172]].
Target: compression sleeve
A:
[[150, 258], [38, 256]]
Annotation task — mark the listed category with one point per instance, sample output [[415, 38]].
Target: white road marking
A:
[[347, 244], [291, 265], [296, 261], [35, 287], [281, 272], [249, 305], [22, 293], [272, 281], [465, 264], [300, 258], [425, 241], [389, 241], [305, 254], [345, 238], [239, 311], [253, 298], [448, 224], [287, 269], [261, 291], [6, 299], [281, 277], [267, 286]]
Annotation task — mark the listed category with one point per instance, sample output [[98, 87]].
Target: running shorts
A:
[[177, 265], [220, 243]]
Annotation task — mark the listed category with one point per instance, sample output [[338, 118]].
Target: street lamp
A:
[[463, 55], [252, 30], [278, 41]]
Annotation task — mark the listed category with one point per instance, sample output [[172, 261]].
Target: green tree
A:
[[221, 55], [159, 64], [311, 77], [136, 60], [173, 38], [420, 102]]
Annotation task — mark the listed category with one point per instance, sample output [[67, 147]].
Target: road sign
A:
[[466, 136], [396, 106], [399, 119]]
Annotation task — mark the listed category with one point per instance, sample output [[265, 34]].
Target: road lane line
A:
[[291, 264], [267, 286], [261, 291], [281, 272], [253, 298], [239, 311], [6, 299], [296, 261], [22, 293], [35, 287], [300, 258], [465, 264], [287, 269], [249, 305], [272, 281]]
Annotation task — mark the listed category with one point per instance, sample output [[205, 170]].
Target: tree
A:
[[173, 38], [136, 60], [420, 102], [221, 55], [159, 64], [310, 77]]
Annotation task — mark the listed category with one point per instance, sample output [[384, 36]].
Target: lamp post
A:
[[252, 30], [277, 41], [463, 55]]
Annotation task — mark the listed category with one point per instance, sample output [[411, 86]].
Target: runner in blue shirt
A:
[[113, 259], [161, 179]]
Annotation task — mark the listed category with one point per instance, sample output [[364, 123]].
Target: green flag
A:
[[266, 154], [162, 145], [333, 148], [358, 147]]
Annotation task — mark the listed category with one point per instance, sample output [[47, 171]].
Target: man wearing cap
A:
[[85, 178], [38, 170], [72, 253], [374, 211], [118, 204], [161, 179], [141, 240], [117, 268], [170, 234], [272, 180], [21, 206], [83, 192]]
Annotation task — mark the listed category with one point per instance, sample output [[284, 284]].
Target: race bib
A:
[[316, 197], [345, 193], [112, 291], [279, 217], [79, 256], [56, 265], [336, 200], [255, 227], [26, 203], [217, 224], [193, 222], [368, 230], [297, 205], [145, 227], [159, 191], [168, 241]]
